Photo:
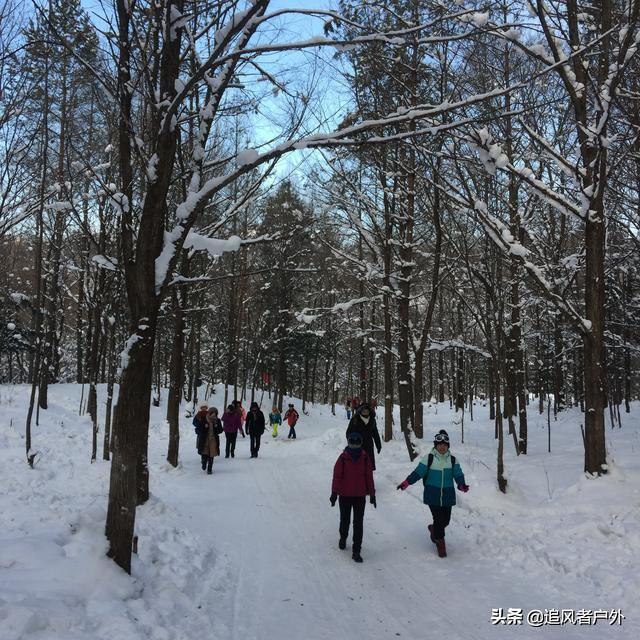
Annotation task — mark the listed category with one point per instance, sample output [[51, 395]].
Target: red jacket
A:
[[353, 478]]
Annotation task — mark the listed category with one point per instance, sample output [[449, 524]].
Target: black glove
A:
[[333, 498], [372, 500]]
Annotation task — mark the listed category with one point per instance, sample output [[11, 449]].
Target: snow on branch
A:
[[105, 262], [307, 316], [215, 247], [442, 345], [502, 238]]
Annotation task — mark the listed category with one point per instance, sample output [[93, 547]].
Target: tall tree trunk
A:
[[129, 444], [38, 296], [175, 379]]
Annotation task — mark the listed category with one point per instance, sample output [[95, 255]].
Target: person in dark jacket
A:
[[211, 441], [364, 423], [352, 482], [200, 424], [438, 471], [232, 423], [255, 425]]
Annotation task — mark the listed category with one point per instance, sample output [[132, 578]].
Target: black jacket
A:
[[369, 433], [255, 424]]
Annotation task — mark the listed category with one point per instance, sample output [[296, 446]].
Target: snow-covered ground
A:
[[251, 551]]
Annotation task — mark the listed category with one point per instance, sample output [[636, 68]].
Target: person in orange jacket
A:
[[292, 417]]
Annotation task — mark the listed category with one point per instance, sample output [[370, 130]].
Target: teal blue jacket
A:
[[438, 479]]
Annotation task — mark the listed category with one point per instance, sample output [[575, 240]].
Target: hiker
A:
[[352, 483], [211, 441], [291, 416], [364, 423], [347, 408], [255, 428], [275, 419], [438, 471], [200, 424], [232, 423], [242, 412]]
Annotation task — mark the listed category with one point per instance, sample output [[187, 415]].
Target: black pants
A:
[[230, 446], [292, 433], [207, 463], [255, 443], [357, 504], [441, 518]]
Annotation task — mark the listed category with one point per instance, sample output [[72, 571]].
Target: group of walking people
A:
[[235, 419], [353, 480]]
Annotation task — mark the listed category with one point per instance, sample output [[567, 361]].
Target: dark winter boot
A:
[[342, 543], [204, 463], [442, 548], [430, 527], [356, 556]]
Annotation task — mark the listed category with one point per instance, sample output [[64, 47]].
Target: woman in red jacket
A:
[[352, 481]]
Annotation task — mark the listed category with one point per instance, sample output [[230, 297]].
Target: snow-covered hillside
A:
[[251, 551]]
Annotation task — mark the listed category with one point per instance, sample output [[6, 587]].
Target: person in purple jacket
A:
[[353, 482], [232, 423]]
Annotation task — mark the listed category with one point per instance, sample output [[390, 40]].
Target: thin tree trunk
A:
[[111, 370], [175, 380]]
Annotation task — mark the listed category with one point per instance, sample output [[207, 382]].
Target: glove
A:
[[333, 498], [403, 485], [372, 500], [463, 487]]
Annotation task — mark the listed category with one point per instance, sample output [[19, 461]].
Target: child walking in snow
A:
[[352, 482], [291, 416], [438, 471], [275, 419]]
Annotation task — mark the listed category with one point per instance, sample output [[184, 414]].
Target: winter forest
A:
[[425, 213]]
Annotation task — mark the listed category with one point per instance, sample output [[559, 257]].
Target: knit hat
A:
[[354, 439], [442, 437], [363, 406]]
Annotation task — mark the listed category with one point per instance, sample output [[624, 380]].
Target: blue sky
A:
[[297, 66]]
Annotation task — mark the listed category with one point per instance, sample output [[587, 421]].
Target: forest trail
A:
[[282, 572], [250, 553]]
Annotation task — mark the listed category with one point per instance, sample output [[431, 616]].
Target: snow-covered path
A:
[[274, 528], [284, 576], [250, 553]]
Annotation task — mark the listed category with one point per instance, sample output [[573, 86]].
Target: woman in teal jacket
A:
[[438, 471]]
